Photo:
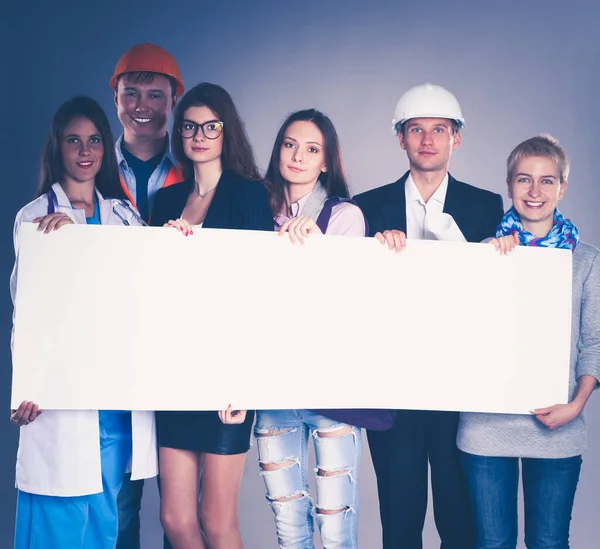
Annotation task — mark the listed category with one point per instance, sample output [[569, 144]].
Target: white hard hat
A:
[[427, 101]]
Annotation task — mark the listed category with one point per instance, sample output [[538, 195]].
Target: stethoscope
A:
[[53, 202]]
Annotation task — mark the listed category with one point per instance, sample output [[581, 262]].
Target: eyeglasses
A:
[[211, 129]]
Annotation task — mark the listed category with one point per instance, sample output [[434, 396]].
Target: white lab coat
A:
[[59, 453]]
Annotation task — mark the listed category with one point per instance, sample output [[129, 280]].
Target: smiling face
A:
[[429, 143], [535, 188], [144, 107], [302, 155], [82, 150], [200, 149]]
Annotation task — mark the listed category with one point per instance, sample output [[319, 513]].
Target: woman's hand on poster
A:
[[181, 225], [52, 222], [299, 228], [26, 413], [231, 416], [505, 244], [558, 415], [395, 240]]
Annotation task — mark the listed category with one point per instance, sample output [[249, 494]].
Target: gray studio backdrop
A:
[[518, 68]]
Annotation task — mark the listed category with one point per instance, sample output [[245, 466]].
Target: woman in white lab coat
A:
[[70, 464]]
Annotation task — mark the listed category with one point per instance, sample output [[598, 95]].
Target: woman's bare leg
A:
[[179, 476], [219, 513]]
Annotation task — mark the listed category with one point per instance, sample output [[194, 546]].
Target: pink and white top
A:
[[346, 219]]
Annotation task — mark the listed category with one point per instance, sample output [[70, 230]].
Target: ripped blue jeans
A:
[[282, 441]]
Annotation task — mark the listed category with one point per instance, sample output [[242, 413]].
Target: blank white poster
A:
[[147, 319]]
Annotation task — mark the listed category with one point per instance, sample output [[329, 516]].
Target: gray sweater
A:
[[523, 435]]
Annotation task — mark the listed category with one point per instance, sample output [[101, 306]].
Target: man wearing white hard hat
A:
[[428, 121]]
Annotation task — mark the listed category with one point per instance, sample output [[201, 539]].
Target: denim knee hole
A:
[[322, 473], [296, 496], [286, 463], [336, 490], [335, 512], [259, 433], [344, 431], [342, 438]]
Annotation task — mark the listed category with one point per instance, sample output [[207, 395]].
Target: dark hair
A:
[[52, 168], [147, 77], [333, 180], [237, 155]]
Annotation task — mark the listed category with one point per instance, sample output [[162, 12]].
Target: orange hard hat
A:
[[148, 58]]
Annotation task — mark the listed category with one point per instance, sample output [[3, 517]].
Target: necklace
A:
[[197, 190]]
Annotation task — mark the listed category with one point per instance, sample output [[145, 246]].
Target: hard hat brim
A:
[[397, 123], [179, 88]]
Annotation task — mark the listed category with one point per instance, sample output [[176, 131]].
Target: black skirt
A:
[[203, 432]]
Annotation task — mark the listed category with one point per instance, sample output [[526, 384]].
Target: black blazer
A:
[[476, 212], [238, 204]]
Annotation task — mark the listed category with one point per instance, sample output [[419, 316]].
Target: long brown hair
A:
[[52, 167], [333, 180], [237, 155]]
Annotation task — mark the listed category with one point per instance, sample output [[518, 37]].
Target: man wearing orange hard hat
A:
[[146, 83]]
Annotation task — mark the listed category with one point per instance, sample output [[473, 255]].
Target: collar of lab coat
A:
[[64, 205]]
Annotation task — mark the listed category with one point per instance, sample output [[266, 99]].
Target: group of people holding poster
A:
[[80, 474]]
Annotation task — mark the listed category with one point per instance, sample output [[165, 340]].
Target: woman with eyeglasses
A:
[[71, 464], [222, 190]]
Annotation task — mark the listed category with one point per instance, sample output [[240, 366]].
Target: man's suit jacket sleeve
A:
[[372, 213], [496, 213]]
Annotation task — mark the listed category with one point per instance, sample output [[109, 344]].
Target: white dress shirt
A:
[[417, 209]]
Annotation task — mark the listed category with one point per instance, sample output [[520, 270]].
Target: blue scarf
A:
[[564, 234]]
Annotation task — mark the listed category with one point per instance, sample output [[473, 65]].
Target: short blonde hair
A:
[[540, 145]]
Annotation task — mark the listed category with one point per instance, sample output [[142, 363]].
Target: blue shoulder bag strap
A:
[[51, 201], [325, 215]]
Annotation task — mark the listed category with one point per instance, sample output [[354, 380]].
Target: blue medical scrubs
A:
[[81, 522]]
